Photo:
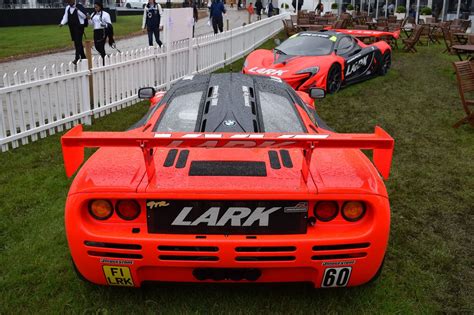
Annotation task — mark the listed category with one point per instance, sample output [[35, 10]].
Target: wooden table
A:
[[464, 49]]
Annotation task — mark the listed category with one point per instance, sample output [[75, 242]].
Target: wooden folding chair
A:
[[289, 29], [410, 43], [465, 78], [448, 40]]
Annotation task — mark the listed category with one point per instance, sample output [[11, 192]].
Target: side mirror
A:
[[277, 41], [146, 93], [316, 93]]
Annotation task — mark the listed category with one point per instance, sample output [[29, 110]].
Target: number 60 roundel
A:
[[336, 277]]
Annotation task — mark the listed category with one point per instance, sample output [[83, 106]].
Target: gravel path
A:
[[236, 18]]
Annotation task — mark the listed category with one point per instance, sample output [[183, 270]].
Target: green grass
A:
[[24, 40], [428, 268]]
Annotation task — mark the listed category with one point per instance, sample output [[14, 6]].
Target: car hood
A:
[[263, 62]]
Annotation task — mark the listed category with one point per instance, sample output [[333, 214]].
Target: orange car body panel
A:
[[113, 173]]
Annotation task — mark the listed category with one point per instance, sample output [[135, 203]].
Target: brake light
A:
[[326, 210], [353, 210], [101, 209], [127, 209]]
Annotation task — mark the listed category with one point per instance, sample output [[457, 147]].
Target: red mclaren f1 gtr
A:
[[230, 178], [325, 59]]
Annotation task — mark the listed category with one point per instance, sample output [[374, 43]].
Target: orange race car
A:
[[230, 178]]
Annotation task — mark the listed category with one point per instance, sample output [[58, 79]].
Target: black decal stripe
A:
[[169, 161], [227, 168], [182, 159], [274, 160], [286, 158]]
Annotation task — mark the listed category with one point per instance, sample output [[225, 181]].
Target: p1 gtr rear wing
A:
[[368, 33], [74, 142]]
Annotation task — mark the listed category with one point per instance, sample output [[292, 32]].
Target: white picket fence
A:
[[42, 102]]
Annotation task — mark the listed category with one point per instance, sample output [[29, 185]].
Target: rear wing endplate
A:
[[74, 142]]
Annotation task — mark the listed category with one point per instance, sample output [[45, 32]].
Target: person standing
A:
[[75, 16], [320, 8], [151, 21], [258, 9], [192, 4], [101, 21], [251, 11], [270, 8], [217, 10]]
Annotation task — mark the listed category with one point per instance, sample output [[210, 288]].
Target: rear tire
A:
[[385, 64], [334, 79]]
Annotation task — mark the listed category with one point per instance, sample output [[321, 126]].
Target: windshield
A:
[[307, 44]]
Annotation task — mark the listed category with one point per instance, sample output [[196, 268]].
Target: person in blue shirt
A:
[[217, 10]]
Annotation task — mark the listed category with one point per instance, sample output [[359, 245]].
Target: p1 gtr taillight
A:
[[101, 209], [127, 209], [326, 210], [353, 210]]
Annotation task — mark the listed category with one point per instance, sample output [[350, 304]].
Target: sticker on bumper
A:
[[119, 276], [336, 277]]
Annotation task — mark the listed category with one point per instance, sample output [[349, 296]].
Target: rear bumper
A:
[[277, 258]]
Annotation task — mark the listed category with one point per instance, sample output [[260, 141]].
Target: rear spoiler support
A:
[[74, 142]]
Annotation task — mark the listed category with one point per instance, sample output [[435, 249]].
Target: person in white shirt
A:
[[75, 16], [151, 21], [101, 22]]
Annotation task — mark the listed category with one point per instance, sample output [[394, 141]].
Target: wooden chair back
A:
[[448, 39], [410, 42], [465, 80]]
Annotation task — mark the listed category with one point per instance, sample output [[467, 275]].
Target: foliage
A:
[[334, 6], [401, 9], [426, 11]]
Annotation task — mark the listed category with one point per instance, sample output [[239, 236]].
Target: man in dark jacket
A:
[[259, 8], [217, 10], [75, 16]]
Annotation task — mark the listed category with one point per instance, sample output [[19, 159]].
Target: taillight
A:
[[127, 209], [353, 210], [326, 210], [100, 209]]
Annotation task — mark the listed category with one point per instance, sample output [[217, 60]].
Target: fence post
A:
[[227, 23], [87, 101], [89, 66]]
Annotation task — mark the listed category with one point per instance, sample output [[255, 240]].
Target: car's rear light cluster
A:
[[126, 209], [328, 210]]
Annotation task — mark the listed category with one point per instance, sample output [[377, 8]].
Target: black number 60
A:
[[336, 277]]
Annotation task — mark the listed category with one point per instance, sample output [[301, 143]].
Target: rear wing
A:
[[74, 142], [368, 33]]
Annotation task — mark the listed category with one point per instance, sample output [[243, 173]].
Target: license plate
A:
[[116, 275], [227, 217]]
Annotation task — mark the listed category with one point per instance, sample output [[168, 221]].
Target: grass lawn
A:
[[23, 40], [429, 265]]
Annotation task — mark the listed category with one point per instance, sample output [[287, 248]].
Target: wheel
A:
[[386, 63], [128, 6], [334, 79]]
